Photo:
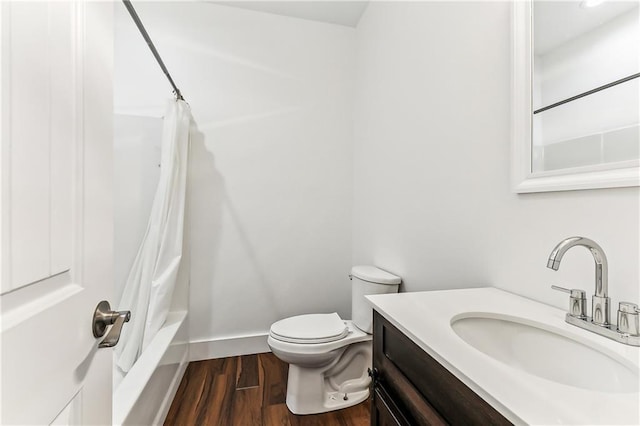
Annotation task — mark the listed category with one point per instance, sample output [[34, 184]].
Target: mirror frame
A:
[[614, 175]]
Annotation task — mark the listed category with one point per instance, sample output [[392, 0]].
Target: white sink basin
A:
[[545, 352]]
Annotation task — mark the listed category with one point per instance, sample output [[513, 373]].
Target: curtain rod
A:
[[145, 35], [589, 92]]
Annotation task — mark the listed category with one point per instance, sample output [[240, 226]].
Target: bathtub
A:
[[144, 395]]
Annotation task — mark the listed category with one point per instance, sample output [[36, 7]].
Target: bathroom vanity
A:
[[412, 388], [485, 356]]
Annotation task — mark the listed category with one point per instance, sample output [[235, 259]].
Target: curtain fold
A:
[[152, 278]]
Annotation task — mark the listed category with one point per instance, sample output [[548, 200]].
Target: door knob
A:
[[103, 317]]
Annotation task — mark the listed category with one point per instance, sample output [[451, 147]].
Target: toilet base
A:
[[323, 389], [332, 401]]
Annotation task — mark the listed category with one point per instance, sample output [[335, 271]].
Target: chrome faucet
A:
[[627, 330], [600, 300]]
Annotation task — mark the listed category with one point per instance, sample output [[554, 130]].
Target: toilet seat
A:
[[304, 352], [310, 329]]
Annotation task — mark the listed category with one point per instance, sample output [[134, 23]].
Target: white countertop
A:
[[523, 398]]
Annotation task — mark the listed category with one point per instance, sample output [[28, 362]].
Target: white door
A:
[[56, 256]]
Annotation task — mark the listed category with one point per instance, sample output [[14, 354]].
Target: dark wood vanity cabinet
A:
[[410, 388]]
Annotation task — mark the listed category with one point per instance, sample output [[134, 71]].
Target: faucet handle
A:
[[629, 307], [577, 301], [574, 292], [628, 319]]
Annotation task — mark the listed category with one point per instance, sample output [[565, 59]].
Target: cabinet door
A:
[[384, 412]]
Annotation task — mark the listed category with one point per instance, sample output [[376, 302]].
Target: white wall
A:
[[271, 169], [275, 168], [432, 159]]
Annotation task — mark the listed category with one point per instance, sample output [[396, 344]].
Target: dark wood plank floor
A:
[[246, 391]]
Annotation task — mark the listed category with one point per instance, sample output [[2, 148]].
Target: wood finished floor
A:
[[246, 391]]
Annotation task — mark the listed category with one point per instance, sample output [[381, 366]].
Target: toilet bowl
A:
[[329, 357]]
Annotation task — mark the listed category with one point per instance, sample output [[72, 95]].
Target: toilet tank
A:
[[367, 280]]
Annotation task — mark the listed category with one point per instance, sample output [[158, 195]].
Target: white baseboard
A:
[[228, 346]]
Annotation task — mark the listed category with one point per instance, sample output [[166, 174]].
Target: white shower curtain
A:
[[152, 278]]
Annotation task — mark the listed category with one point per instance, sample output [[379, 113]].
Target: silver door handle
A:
[[103, 317]]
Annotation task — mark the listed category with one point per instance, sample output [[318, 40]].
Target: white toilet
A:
[[328, 357]]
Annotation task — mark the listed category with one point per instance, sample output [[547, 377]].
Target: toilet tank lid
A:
[[374, 275]]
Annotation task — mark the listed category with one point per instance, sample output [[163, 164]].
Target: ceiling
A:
[[556, 22], [345, 12]]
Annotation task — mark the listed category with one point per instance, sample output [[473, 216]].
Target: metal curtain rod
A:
[[589, 92], [145, 35]]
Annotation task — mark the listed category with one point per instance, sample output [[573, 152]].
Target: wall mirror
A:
[[576, 95]]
